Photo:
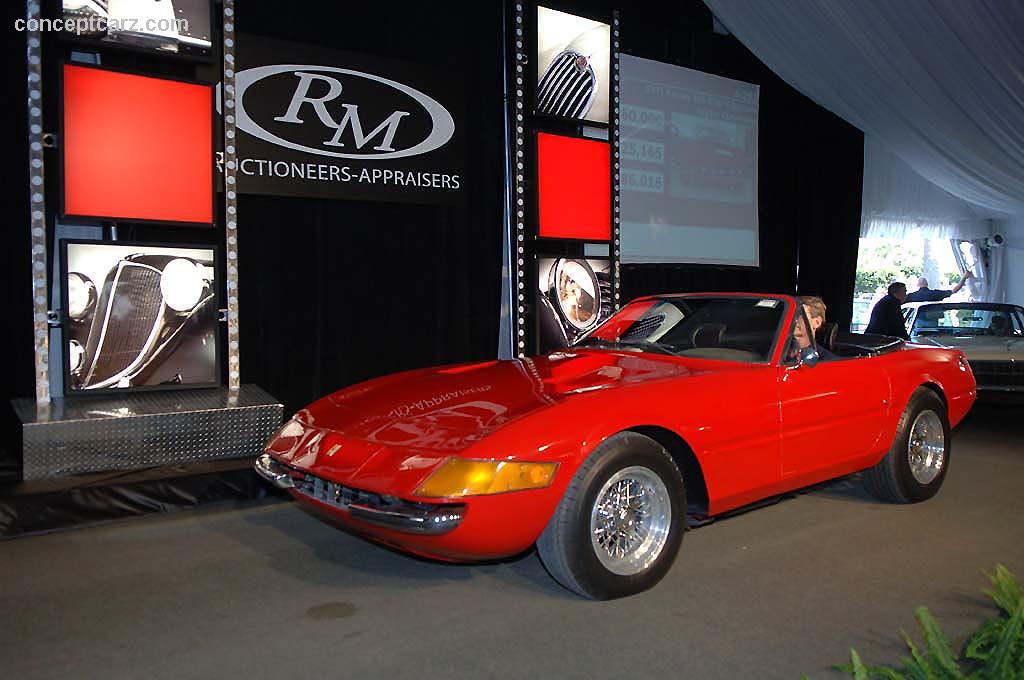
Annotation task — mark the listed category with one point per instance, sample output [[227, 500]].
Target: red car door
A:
[[832, 415]]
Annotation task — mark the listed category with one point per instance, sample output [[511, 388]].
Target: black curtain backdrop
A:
[[334, 292], [16, 339]]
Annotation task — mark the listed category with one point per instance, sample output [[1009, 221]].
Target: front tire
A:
[[916, 464], [619, 525]]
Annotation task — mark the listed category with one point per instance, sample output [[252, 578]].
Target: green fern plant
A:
[[994, 652]]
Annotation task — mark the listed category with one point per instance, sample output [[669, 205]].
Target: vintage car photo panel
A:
[[574, 295], [573, 56], [137, 148], [139, 316], [174, 26]]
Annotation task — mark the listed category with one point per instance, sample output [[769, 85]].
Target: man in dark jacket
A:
[[926, 294], [887, 317]]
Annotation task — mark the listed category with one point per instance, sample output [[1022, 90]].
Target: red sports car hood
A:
[[415, 419]]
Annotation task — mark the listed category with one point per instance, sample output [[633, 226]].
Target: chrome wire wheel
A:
[[630, 520], [926, 447]]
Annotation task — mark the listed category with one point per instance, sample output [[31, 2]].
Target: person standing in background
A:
[[926, 294]]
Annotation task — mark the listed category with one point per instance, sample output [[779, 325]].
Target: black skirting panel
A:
[[36, 507]]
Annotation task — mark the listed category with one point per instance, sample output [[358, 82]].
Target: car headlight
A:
[[182, 285], [81, 296], [461, 477], [76, 357], [292, 428]]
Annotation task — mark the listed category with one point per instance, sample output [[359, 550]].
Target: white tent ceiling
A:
[[938, 83]]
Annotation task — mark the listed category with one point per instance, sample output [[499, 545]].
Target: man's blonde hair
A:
[[815, 304]]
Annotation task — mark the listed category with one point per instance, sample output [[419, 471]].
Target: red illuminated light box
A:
[[137, 148], [573, 188]]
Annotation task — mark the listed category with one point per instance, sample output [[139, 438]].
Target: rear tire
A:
[[916, 465], [619, 525]]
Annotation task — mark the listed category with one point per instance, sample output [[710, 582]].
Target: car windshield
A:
[[725, 328], [967, 320]]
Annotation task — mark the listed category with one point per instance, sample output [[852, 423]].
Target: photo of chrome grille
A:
[[135, 306], [138, 316], [573, 66], [567, 87]]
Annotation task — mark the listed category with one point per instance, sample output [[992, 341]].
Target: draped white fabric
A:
[[899, 203], [940, 83], [995, 277]]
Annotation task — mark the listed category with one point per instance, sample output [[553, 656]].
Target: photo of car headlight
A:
[[576, 289], [574, 295], [76, 357], [81, 296], [182, 284]]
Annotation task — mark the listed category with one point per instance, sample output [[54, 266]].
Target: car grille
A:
[[338, 495], [133, 310], [566, 89], [1000, 374]]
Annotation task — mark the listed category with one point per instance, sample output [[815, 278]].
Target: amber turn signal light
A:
[[460, 477]]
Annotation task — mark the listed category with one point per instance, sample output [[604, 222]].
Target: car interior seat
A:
[[826, 335], [928, 320], [998, 325], [707, 335]]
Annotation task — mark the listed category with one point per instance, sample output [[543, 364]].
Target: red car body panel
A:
[[757, 430]]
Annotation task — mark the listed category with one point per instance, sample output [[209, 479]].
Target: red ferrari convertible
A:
[[677, 405]]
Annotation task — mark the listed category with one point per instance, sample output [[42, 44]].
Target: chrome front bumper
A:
[[386, 511], [275, 473]]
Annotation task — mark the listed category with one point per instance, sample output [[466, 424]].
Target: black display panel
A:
[[183, 27], [574, 295], [139, 316]]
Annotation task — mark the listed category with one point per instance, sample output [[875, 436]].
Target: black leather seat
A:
[[708, 335], [826, 335]]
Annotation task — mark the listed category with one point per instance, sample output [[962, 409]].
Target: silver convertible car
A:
[[990, 334]]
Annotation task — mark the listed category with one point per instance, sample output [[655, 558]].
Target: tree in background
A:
[[882, 261]]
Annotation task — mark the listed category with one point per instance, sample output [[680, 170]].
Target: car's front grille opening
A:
[[336, 494], [998, 373], [342, 497], [567, 86], [134, 307]]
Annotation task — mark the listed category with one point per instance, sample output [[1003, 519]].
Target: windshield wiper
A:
[[651, 346], [639, 344]]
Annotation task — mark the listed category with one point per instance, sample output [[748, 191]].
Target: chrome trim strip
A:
[[272, 471], [439, 520], [36, 183]]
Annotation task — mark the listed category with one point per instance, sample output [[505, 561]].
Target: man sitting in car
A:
[[814, 308]]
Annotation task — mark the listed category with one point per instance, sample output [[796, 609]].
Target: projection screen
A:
[[689, 166]]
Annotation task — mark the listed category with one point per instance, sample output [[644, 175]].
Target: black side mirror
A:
[[808, 357]]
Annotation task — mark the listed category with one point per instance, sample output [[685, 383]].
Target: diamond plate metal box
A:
[[133, 431]]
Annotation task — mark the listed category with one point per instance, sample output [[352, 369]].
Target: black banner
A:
[[316, 122]]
